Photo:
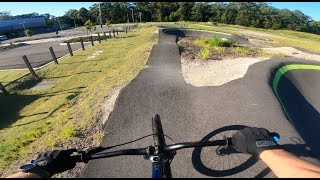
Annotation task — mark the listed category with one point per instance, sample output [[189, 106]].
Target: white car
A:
[[3, 37]]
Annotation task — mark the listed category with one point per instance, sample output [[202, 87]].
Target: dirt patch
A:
[[43, 85]]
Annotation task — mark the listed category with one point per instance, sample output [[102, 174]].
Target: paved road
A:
[[190, 114], [39, 54]]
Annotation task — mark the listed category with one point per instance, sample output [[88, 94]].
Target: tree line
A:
[[250, 14]]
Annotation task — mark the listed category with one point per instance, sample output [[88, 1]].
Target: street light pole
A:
[[59, 24], [100, 16], [140, 15], [132, 15], [128, 18]]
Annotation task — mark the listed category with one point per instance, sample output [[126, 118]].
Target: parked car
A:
[[3, 37]]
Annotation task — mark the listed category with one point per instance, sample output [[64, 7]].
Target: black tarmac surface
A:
[[191, 114], [298, 91], [39, 54]]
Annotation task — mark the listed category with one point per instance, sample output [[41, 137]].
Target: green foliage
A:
[[242, 50], [263, 53], [214, 42], [220, 50], [250, 14], [108, 24], [204, 53], [69, 132], [88, 25], [281, 54], [28, 32]]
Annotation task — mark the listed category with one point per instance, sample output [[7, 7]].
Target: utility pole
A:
[[59, 24], [140, 15], [132, 15], [100, 16]]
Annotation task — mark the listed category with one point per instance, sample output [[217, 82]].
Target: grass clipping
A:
[[57, 117]]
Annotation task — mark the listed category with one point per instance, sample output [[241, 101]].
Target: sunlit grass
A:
[[32, 121]]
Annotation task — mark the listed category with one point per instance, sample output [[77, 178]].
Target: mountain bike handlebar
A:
[[87, 156]]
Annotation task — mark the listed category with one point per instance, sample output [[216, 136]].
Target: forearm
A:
[[24, 175], [285, 164]]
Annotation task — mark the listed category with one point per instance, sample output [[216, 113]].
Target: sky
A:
[[311, 9]]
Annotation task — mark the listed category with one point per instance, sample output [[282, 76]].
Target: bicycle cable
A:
[[106, 148]]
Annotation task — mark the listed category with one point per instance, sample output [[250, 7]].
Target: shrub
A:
[[204, 53], [28, 32], [69, 132], [242, 50], [220, 50], [108, 24], [214, 42]]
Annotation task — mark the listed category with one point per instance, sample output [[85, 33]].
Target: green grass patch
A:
[[204, 53], [214, 42], [7, 76], [262, 53], [281, 54], [220, 50], [242, 50], [33, 121], [279, 37]]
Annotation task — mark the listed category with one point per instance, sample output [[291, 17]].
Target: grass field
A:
[[32, 121], [7, 76], [280, 37]]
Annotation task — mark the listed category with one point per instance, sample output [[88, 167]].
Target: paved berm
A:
[[191, 113]]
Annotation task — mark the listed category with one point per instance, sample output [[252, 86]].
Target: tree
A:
[[83, 14], [4, 15], [88, 24], [74, 14]]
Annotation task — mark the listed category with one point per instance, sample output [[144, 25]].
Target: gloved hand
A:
[[56, 161], [252, 140]]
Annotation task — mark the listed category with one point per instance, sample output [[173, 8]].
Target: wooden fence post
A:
[[70, 50], [54, 58], [82, 45], [99, 38], [91, 38], [29, 66], [5, 92], [104, 35]]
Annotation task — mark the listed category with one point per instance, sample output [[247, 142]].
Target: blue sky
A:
[[59, 8]]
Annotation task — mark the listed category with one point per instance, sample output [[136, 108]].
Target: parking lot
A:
[[38, 52]]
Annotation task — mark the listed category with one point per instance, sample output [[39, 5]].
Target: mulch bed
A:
[[189, 50]]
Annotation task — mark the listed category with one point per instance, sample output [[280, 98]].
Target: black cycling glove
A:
[[56, 161], [252, 140]]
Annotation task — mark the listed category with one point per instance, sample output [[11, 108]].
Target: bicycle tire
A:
[[159, 140]]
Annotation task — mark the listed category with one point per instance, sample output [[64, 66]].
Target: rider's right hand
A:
[[252, 140]]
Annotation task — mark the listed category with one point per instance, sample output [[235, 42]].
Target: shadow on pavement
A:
[[295, 148], [301, 112]]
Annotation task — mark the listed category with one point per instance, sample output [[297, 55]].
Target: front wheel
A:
[[159, 140]]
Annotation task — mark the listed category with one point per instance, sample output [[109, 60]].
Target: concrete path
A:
[[191, 114]]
